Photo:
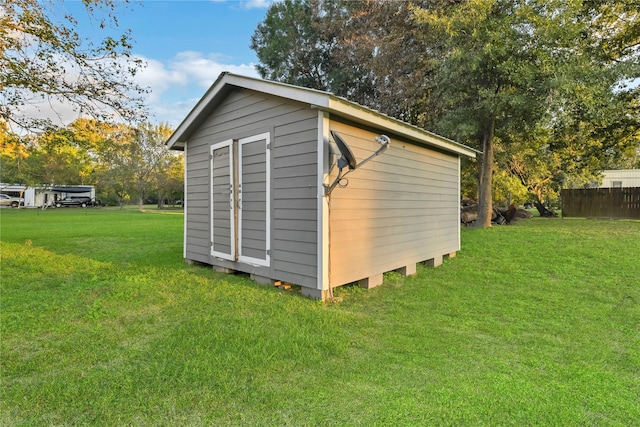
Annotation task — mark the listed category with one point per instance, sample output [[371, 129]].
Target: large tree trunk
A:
[[161, 195], [542, 209], [485, 204]]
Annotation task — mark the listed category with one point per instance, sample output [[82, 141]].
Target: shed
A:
[[260, 161], [621, 178]]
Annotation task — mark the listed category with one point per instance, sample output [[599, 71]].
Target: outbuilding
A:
[[302, 186], [620, 178]]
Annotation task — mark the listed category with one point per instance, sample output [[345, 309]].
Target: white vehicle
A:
[[14, 202]]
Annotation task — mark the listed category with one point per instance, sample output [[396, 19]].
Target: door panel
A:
[[254, 196], [223, 239]]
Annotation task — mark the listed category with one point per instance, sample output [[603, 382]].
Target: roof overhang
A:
[[73, 189], [359, 114], [321, 100]]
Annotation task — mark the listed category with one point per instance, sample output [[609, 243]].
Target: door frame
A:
[[232, 202], [266, 262], [235, 199]]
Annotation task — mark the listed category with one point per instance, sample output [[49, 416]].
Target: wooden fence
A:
[[611, 203]]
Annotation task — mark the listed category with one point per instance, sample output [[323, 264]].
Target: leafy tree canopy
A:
[[122, 161], [43, 58], [552, 85], [367, 51]]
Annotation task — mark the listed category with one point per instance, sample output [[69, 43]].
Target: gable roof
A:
[[324, 101]]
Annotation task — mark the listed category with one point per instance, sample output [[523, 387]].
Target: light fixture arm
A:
[[384, 141], [344, 161]]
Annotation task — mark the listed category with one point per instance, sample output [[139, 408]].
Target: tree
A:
[[148, 157], [131, 161], [295, 44], [43, 59], [119, 159], [546, 82], [169, 178], [616, 27], [14, 157], [369, 51], [463, 67], [108, 145], [594, 114], [491, 80], [385, 59], [51, 157]]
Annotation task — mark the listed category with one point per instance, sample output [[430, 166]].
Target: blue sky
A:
[[163, 29], [186, 45]]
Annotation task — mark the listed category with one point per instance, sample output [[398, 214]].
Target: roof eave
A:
[[319, 99], [359, 114], [309, 96]]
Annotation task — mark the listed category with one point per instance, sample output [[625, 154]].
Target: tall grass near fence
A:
[[104, 324]]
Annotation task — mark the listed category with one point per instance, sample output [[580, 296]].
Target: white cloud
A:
[[157, 77], [250, 4], [174, 88], [177, 85], [56, 108], [58, 112], [256, 4], [203, 70]]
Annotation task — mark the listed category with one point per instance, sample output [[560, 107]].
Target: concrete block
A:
[[261, 279], [434, 262], [225, 270], [315, 293], [371, 282], [408, 270]]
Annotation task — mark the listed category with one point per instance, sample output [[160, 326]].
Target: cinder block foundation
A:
[[371, 282]]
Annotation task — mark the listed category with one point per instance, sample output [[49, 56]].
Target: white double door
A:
[[240, 200]]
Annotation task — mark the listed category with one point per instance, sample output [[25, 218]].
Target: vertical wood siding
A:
[[400, 208], [293, 133]]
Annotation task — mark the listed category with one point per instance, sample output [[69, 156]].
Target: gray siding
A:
[[293, 134], [400, 208], [294, 199]]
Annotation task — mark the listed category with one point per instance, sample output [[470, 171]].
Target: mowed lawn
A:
[[103, 323]]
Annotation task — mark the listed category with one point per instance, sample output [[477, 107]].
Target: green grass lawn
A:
[[104, 324]]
